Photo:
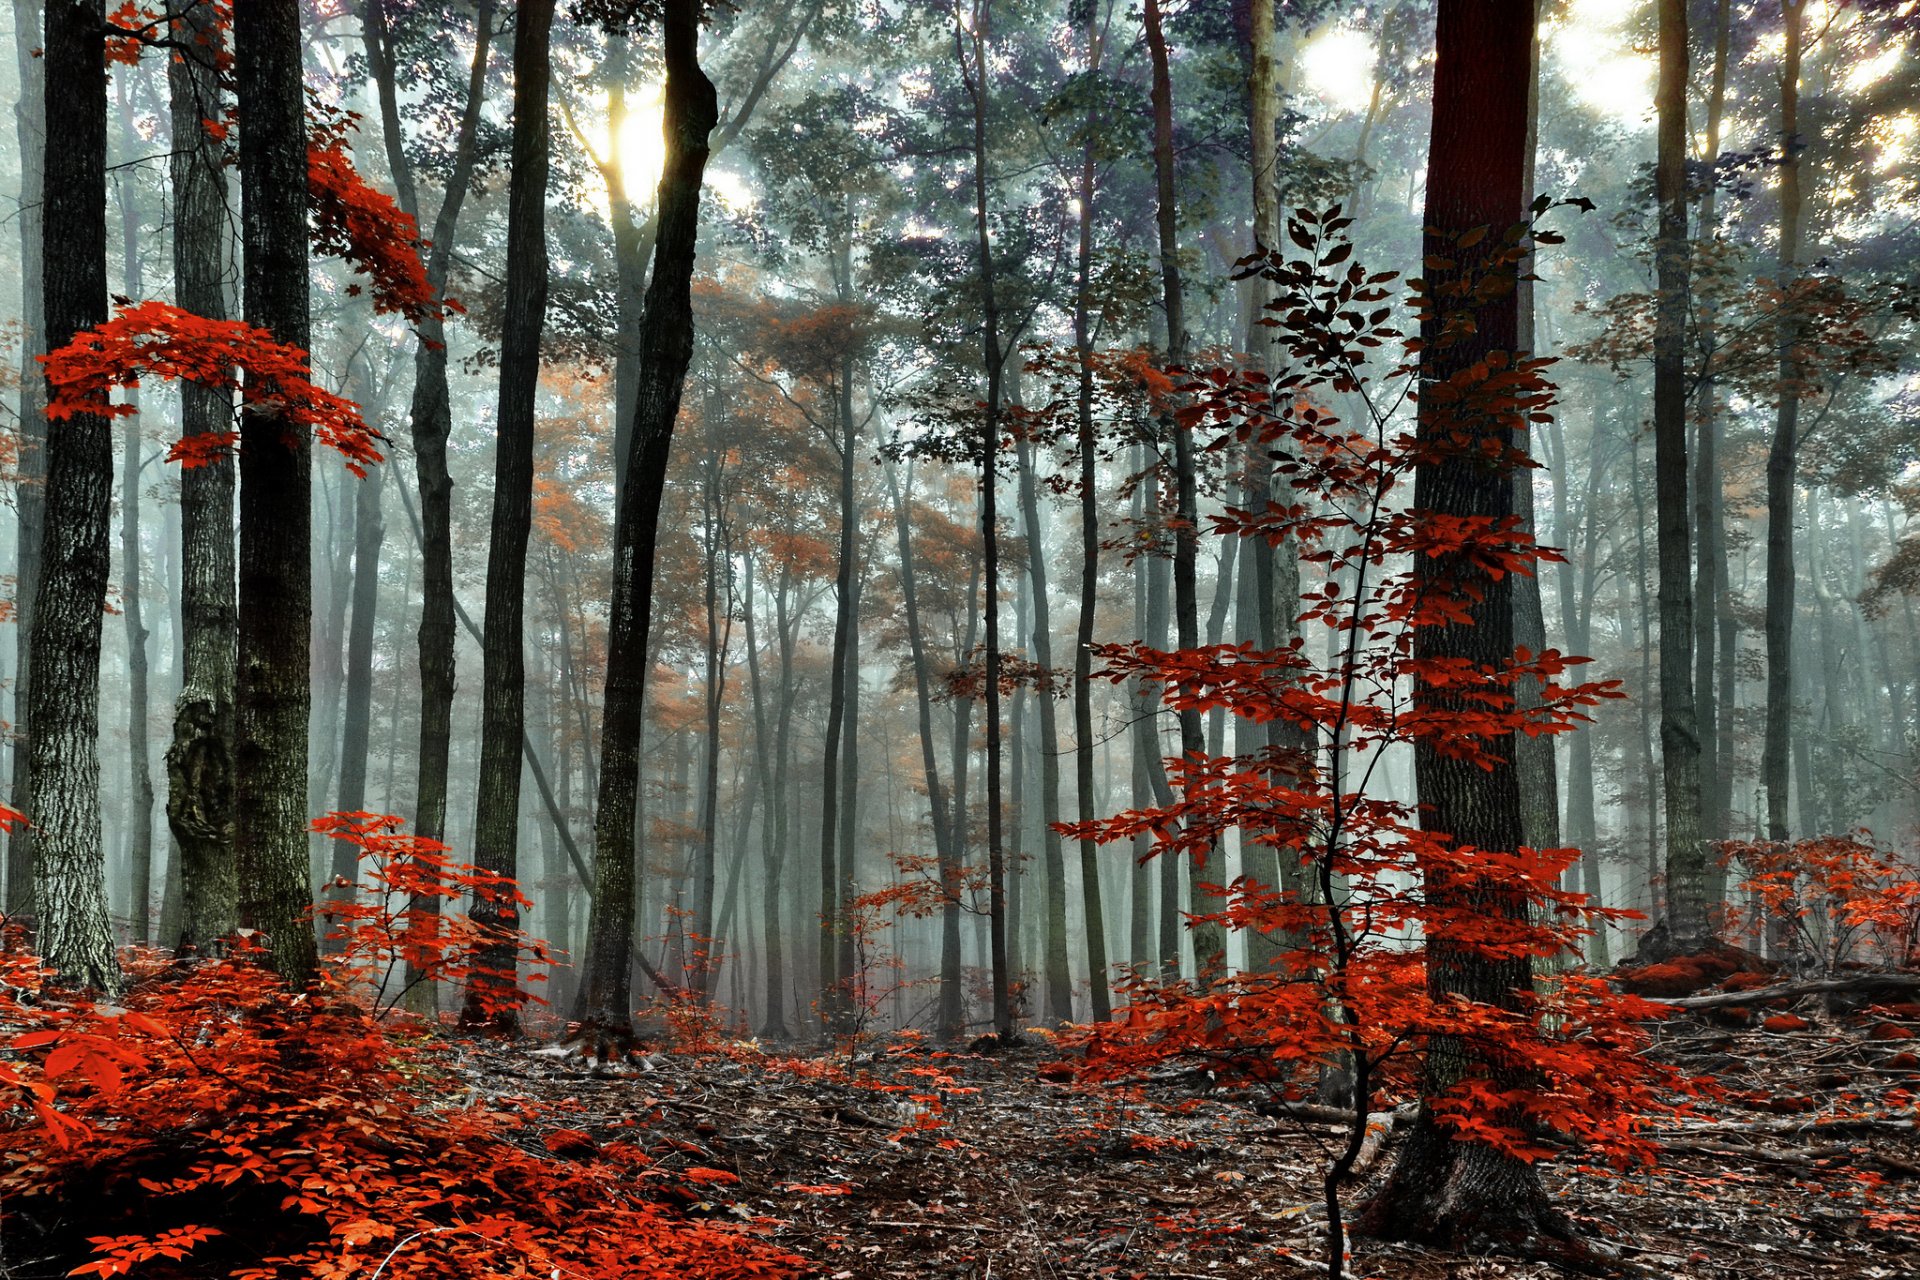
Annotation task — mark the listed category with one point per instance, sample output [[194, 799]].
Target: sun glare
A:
[[1339, 68], [1595, 54], [643, 148]]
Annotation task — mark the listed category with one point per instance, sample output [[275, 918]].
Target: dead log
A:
[[1858, 983]]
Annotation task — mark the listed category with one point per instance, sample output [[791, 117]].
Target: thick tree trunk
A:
[[1679, 729], [503, 655], [1443, 1188], [1209, 940], [666, 348], [1780, 453], [30, 490], [273, 694], [63, 682], [200, 758]]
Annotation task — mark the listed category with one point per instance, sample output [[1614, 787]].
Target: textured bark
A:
[[200, 757], [1085, 442], [503, 660], [666, 347], [1710, 606], [1444, 1189], [356, 721], [1781, 450], [30, 491], [272, 694], [63, 685], [1679, 732], [1209, 940], [1059, 991]]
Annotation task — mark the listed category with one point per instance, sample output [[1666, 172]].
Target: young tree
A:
[[666, 348], [272, 690], [63, 682], [503, 667]]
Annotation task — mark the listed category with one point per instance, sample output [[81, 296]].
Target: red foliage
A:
[[363, 226], [1785, 1022], [214, 1124], [155, 339], [1834, 901]]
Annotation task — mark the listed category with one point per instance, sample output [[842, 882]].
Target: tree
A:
[[63, 681], [272, 695], [666, 347], [1679, 729], [503, 668], [1442, 1188]]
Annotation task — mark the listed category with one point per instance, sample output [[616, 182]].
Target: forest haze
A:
[[1353, 545]]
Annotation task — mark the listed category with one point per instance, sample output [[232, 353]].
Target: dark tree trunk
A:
[[272, 694], [1780, 453], [709, 932], [356, 721], [1444, 1189], [431, 414], [666, 348], [1679, 729], [1710, 605], [200, 758], [63, 683], [1091, 905], [1209, 940], [1052, 857], [30, 490], [833, 996], [503, 656]]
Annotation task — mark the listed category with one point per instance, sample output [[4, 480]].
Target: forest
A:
[[960, 638]]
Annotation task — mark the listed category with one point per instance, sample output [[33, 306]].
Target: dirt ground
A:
[[913, 1163]]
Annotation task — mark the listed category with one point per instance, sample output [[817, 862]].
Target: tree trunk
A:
[[1209, 939], [709, 942], [666, 348], [356, 722], [833, 997], [273, 694], [30, 490], [1710, 605], [1780, 453], [1052, 858], [503, 658], [200, 758], [75, 938], [1445, 1189], [1679, 728]]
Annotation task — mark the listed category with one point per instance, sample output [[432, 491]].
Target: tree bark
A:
[[666, 348], [1679, 729], [356, 722], [1781, 450], [1052, 857], [1444, 1189], [200, 758], [272, 694], [1710, 606], [503, 659], [75, 938]]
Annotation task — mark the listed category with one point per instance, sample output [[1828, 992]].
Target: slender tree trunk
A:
[[356, 723], [666, 348], [1780, 453], [1209, 939], [833, 998], [1053, 861], [1086, 443], [139, 832], [63, 683], [200, 759], [1445, 1188], [1679, 728], [719, 633], [992, 362], [273, 694], [503, 654], [1710, 589], [1576, 604], [30, 491]]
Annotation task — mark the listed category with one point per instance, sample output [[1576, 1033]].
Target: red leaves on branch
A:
[[155, 339], [362, 226]]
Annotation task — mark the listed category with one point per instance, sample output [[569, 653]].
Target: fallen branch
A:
[[1794, 990]]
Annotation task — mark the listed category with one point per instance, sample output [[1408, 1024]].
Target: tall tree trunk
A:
[[503, 656], [1053, 861], [356, 721], [30, 490], [63, 681], [1209, 939], [992, 362], [834, 1009], [1091, 905], [1780, 452], [200, 758], [139, 823], [1710, 606], [272, 693], [666, 348], [1444, 1188], [710, 936], [1679, 728]]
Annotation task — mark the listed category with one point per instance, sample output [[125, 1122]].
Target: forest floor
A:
[[909, 1162]]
